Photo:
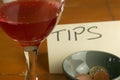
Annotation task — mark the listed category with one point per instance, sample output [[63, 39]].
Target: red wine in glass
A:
[[29, 22]]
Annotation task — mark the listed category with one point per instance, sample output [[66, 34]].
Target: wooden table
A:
[[12, 61]]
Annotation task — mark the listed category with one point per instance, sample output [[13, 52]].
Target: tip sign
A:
[[70, 38]]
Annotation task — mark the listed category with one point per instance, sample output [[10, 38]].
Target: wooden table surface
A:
[[12, 60]]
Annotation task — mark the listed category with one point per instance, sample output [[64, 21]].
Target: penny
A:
[[101, 75], [95, 69], [83, 77]]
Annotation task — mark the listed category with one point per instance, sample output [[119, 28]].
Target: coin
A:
[[95, 69], [99, 73], [83, 77]]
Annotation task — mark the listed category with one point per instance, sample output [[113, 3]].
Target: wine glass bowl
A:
[[29, 22]]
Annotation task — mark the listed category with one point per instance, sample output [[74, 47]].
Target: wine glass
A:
[[29, 22]]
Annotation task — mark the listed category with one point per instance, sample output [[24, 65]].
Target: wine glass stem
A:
[[31, 60]]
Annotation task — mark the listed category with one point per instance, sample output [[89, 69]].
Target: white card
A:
[[70, 38]]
